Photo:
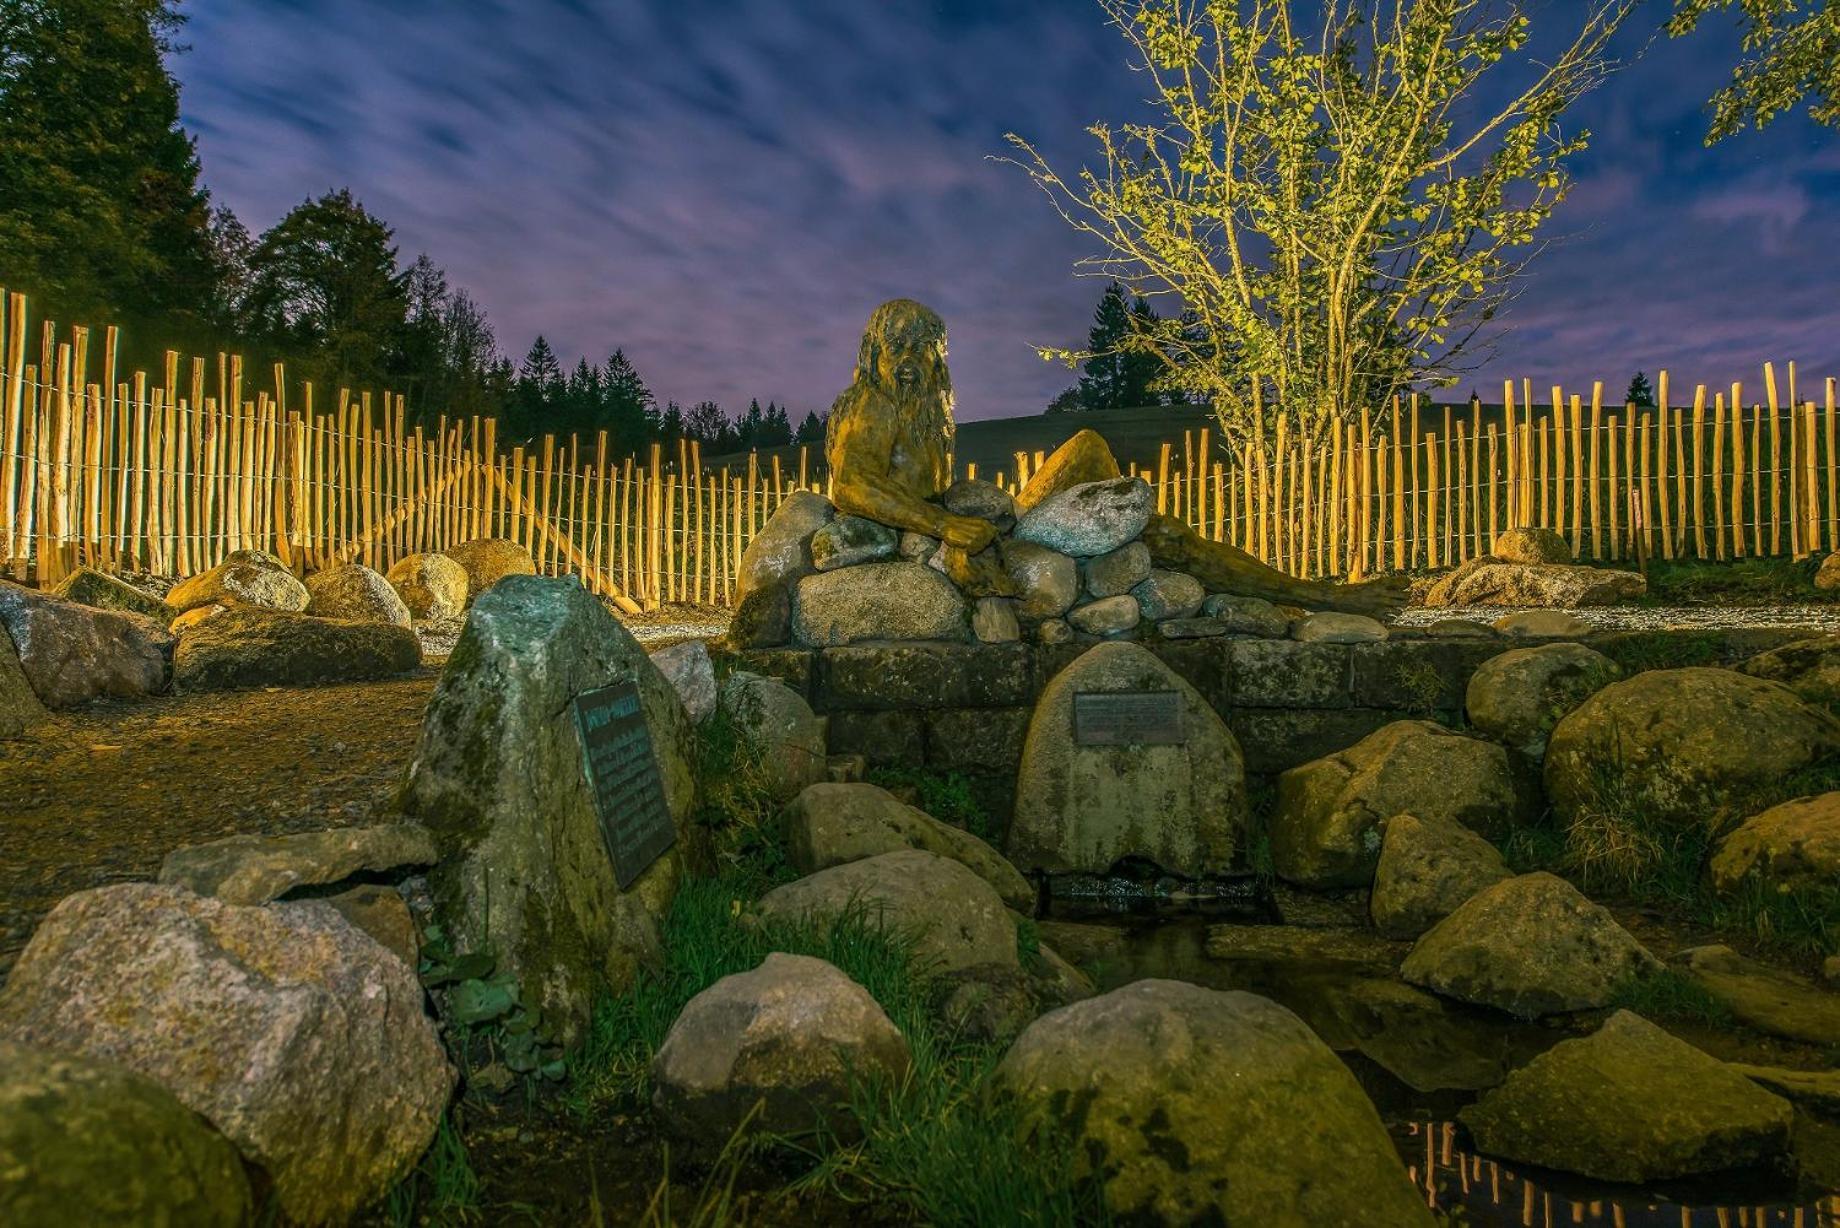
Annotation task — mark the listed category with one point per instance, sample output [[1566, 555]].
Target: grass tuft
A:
[[442, 1188], [1666, 993], [947, 796]]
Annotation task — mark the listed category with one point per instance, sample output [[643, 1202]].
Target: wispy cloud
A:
[[726, 190]]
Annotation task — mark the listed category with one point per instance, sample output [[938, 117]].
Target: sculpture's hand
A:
[[968, 533]]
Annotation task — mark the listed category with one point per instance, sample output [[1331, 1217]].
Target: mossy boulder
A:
[[88, 1142], [1427, 869], [1630, 1103], [433, 586], [777, 1049], [1517, 697], [877, 601], [252, 869], [1185, 1105], [956, 919], [1325, 829], [20, 708], [497, 777], [355, 593], [72, 653], [788, 739], [781, 552], [1530, 946], [1791, 847], [105, 592], [833, 824], [248, 647], [1810, 668], [295, 1034], [849, 540], [1085, 808], [1688, 747], [487, 560], [1090, 519], [245, 577]]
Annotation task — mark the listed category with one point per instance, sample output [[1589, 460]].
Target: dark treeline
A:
[[105, 218]]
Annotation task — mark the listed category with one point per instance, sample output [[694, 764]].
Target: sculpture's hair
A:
[[902, 321]]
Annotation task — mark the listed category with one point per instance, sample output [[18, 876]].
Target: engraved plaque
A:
[[623, 776], [1127, 718]]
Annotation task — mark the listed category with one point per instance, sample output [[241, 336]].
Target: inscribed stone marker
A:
[[623, 775], [1124, 718]]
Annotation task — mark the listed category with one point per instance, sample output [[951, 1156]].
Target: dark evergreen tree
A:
[[324, 286], [1641, 393], [1067, 401], [534, 395], [630, 413], [671, 424], [708, 424], [747, 431], [811, 429], [775, 428], [1121, 369], [101, 213]]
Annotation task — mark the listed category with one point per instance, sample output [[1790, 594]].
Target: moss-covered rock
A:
[[249, 647], [355, 593], [1629, 1103], [433, 586], [1185, 1103], [1689, 747], [20, 708], [1427, 869], [245, 577], [956, 919], [1325, 829], [72, 653], [497, 777], [1084, 808], [849, 540], [88, 1142], [487, 560], [877, 601], [788, 739], [1517, 697], [1791, 847], [252, 869], [781, 552], [1531, 946], [1810, 668], [105, 592]]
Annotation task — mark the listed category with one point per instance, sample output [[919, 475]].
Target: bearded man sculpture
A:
[[889, 448]]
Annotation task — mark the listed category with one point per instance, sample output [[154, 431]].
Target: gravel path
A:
[[1654, 618]]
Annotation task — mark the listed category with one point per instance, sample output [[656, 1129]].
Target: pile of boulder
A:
[[248, 621], [1072, 566], [1533, 567]]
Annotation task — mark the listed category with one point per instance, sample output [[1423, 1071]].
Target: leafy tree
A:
[[323, 283], [101, 212], [1340, 206], [1641, 393], [1791, 55]]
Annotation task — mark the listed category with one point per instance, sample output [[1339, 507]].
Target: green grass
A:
[[443, 1189], [1671, 995], [1773, 581], [947, 796]]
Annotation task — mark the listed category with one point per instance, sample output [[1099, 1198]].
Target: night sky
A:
[[725, 188]]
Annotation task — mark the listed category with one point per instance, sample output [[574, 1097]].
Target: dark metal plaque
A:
[[1128, 718], [616, 754]]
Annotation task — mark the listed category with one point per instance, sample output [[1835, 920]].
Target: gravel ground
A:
[[1653, 618]]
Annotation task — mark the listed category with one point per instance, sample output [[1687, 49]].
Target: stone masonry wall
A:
[[965, 707]]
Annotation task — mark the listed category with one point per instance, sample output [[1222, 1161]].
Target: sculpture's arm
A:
[[864, 484]]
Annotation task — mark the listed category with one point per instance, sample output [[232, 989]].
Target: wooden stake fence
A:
[[169, 471]]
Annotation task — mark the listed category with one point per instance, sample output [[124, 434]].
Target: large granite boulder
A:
[[778, 1049], [1793, 846], [20, 708], [355, 593], [1693, 746], [788, 739], [1091, 519], [1427, 868], [88, 1142], [1517, 697], [245, 577], [94, 588], [833, 824], [877, 601], [762, 619], [433, 586], [487, 560], [1567, 586], [74, 653], [252, 869], [497, 777], [1164, 595], [247, 647], [1047, 581], [1084, 808], [1184, 1104], [1531, 545], [1629, 1103], [1810, 668], [1764, 998], [1325, 828], [957, 920], [691, 672], [980, 499], [1530, 946], [296, 1035], [781, 552], [1117, 573], [850, 540]]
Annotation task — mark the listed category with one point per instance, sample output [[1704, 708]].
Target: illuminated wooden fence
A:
[[169, 471]]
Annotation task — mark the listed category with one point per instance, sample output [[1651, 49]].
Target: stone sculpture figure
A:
[[889, 448]]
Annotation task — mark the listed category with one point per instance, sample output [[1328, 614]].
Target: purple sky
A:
[[726, 188]]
